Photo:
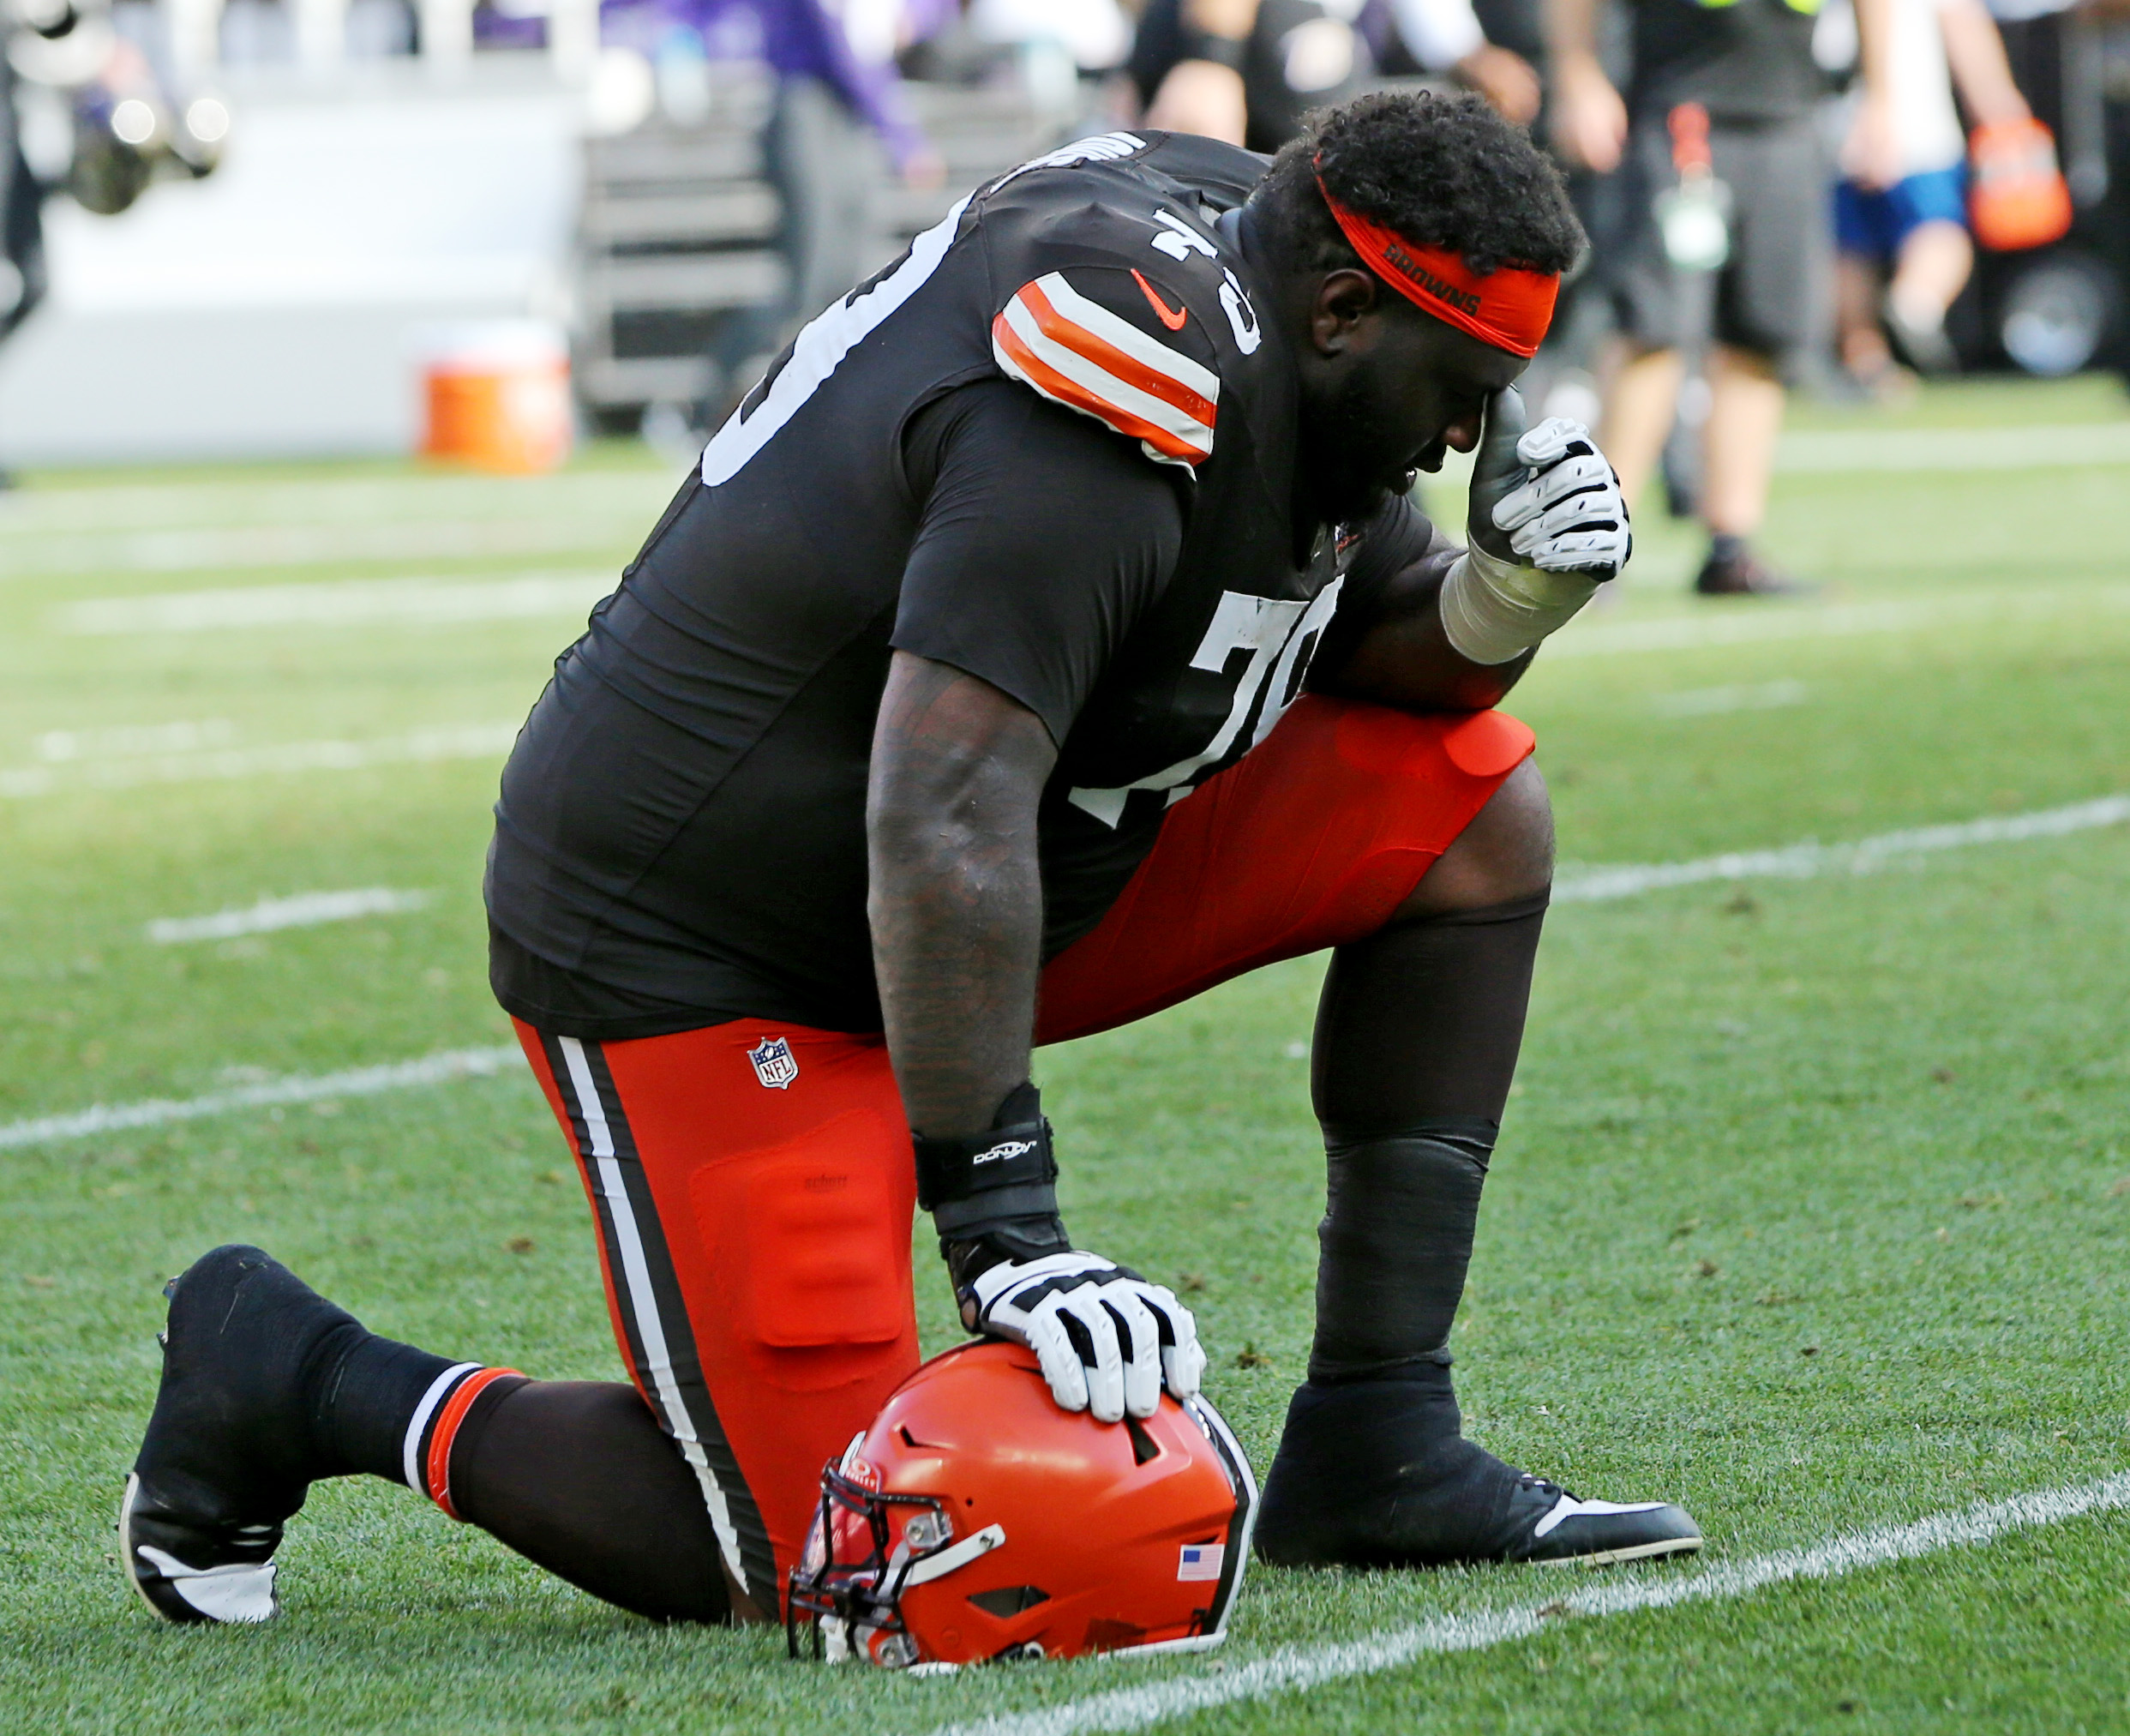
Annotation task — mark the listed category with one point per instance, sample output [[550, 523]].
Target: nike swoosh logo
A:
[[1173, 318]]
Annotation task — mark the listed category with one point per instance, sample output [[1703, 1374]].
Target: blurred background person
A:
[[21, 198], [1722, 235], [1915, 229], [2037, 37], [117, 127], [1491, 46], [1245, 71], [836, 100]]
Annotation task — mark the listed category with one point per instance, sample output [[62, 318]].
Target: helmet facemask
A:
[[865, 1548]]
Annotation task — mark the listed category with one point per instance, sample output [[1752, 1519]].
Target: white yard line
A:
[[1886, 451], [418, 601], [1578, 887], [223, 550], [301, 911], [1297, 1669], [1593, 635], [1862, 856], [1708, 702], [2049, 447], [303, 1088], [37, 512], [460, 741]]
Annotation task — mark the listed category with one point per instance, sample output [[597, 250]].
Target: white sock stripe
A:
[[418, 1425], [1298, 1668]]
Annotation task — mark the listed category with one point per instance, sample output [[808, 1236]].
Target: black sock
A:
[[1724, 548], [577, 1477], [574, 1475], [1417, 1038], [365, 1390]]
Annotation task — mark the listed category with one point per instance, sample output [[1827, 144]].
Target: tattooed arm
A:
[[956, 909], [956, 901]]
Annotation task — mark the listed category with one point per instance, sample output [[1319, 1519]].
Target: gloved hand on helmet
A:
[[1107, 1340]]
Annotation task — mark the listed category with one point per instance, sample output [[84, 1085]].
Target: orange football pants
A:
[[752, 1182]]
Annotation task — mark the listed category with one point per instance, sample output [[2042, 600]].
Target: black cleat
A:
[[1744, 574], [1375, 1474], [1924, 347], [1566, 1532], [227, 1456]]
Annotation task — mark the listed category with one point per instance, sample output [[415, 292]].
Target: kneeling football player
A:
[[1047, 638]]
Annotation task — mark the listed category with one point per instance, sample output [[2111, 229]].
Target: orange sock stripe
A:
[[436, 1467]]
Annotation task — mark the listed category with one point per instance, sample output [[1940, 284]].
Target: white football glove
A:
[[1569, 515], [1107, 1340], [1548, 525]]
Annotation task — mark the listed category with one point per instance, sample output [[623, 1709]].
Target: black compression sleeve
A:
[[1043, 537]]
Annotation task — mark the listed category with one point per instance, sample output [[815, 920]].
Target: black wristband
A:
[[975, 1180], [971, 1255], [1229, 52]]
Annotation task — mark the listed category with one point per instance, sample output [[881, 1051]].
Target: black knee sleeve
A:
[[1400, 1215]]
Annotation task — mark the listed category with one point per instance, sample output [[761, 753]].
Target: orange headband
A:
[[1509, 308]]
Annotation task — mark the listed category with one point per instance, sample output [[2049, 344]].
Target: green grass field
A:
[[1812, 1211]]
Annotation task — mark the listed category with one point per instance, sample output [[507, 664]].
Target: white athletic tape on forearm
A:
[[1494, 609]]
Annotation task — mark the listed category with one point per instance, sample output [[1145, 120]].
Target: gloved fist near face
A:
[[1568, 515], [1547, 525], [1107, 1340]]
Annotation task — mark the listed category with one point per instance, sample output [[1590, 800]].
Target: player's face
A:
[[1400, 392]]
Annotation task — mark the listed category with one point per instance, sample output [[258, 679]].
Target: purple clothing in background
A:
[[796, 38]]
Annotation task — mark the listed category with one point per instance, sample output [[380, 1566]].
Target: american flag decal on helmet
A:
[[1077, 352], [1201, 1561]]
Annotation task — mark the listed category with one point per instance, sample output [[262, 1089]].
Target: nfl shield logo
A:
[[774, 1063]]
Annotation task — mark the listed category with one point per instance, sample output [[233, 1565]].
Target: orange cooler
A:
[[496, 396]]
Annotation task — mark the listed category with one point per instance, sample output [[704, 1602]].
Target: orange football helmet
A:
[[976, 1520]]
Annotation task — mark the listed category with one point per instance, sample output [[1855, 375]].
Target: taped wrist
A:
[[1494, 609], [1401, 1210], [1000, 1183]]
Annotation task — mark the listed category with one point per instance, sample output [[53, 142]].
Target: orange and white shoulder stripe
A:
[[1079, 353]]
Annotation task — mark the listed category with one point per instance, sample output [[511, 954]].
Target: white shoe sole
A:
[[1635, 1552], [125, 1544], [239, 1593]]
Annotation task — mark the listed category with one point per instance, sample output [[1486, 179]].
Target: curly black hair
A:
[[1444, 170]]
